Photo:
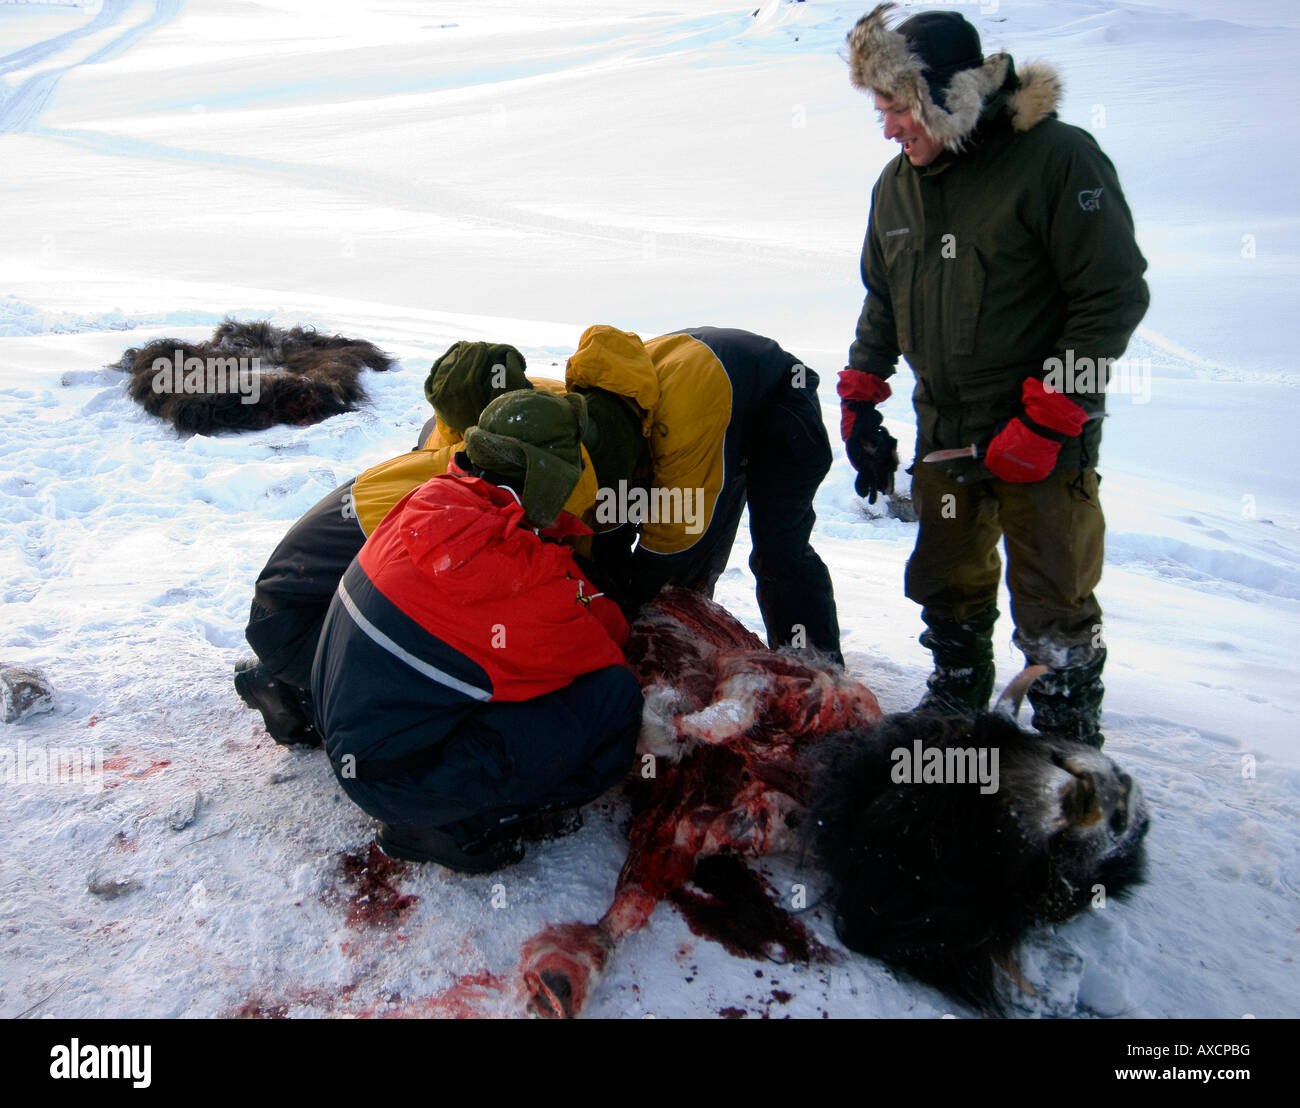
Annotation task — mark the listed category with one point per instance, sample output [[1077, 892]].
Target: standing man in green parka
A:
[[999, 259]]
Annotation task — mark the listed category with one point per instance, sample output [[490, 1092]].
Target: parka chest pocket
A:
[[961, 295], [900, 250]]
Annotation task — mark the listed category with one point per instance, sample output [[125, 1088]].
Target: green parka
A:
[[985, 264]]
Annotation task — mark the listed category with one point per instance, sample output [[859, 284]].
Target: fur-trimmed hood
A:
[[880, 60]]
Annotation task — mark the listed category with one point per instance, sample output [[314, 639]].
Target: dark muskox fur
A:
[[941, 880], [304, 377]]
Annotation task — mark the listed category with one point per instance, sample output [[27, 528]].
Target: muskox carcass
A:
[[941, 878], [757, 752]]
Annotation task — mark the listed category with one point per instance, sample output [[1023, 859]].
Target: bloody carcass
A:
[[727, 722]]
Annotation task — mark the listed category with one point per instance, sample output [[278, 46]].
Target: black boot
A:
[[547, 824], [284, 709], [1067, 699], [963, 676], [433, 844], [480, 844]]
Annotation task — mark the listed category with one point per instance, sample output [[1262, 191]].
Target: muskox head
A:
[[940, 857]]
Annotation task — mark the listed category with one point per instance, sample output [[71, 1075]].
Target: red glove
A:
[[858, 390], [1026, 449]]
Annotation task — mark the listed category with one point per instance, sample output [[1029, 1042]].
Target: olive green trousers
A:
[[1053, 531]]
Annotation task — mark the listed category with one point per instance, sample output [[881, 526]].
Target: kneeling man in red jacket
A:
[[469, 676]]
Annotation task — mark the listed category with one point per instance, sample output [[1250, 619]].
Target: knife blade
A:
[[953, 454]]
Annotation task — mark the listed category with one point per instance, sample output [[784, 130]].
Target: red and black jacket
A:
[[453, 602]]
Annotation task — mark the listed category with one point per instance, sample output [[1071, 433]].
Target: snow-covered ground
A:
[[425, 172]]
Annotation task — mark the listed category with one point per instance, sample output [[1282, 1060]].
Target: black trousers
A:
[[794, 590], [295, 588], [786, 457], [509, 758]]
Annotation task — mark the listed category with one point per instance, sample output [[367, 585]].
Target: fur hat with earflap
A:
[[533, 441], [469, 375], [932, 65]]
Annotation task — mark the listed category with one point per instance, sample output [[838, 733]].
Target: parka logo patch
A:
[[898, 231], [1090, 200]]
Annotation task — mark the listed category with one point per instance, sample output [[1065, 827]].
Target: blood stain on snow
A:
[[255, 1010], [259, 1007], [121, 764], [733, 1013], [466, 999], [463, 1000], [730, 904], [154, 767], [375, 900]]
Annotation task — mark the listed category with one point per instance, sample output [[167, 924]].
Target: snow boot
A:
[[432, 844], [284, 709], [1067, 699], [548, 824], [964, 673]]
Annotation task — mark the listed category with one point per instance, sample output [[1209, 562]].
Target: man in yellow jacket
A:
[[721, 418]]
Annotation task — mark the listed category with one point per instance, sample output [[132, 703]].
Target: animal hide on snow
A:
[[250, 376]]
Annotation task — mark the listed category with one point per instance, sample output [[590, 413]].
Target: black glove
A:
[[610, 567], [872, 451]]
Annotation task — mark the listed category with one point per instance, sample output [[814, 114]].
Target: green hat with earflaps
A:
[[533, 438], [468, 376]]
